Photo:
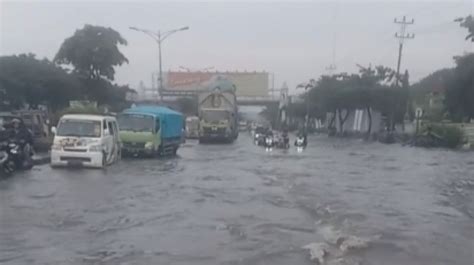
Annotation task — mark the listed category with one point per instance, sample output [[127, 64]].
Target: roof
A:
[[92, 117], [155, 110]]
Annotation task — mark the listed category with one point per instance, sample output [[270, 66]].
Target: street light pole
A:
[[160, 87], [159, 38]]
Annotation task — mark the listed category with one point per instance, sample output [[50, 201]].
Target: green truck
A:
[[218, 119], [150, 131]]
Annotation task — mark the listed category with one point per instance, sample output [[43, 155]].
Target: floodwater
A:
[[339, 202]]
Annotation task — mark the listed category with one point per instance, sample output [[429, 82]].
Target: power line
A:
[[401, 36]]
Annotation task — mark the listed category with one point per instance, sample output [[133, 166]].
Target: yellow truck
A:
[[218, 119]]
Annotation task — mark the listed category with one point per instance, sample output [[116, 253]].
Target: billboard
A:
[[248, 84]]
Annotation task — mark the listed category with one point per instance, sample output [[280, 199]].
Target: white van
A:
[[85, 140]]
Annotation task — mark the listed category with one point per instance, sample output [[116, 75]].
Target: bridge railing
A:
[[257, 98]]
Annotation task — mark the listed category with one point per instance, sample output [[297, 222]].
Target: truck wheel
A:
[[160, 151]]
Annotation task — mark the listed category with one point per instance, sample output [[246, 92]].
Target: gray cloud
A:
[[293, 40]]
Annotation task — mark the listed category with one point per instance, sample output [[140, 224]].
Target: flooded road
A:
[[343, 201]]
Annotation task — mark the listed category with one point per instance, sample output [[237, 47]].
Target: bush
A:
[[445, 135]]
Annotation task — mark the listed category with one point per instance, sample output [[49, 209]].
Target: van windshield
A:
[[79, 128], [136, 123]]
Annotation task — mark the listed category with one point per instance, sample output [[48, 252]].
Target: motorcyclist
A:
[[20, 133], [286, 139], [24, 138], [269, 138], [302, 137]]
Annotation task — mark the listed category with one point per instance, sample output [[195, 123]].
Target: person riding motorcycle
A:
[[301, 139], [20, 135], [286, 138], [269, 141]]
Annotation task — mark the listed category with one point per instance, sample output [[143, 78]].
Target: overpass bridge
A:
[[170, 97]]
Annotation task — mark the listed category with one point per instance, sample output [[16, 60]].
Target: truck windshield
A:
[[79, 128], [213, 116], [136, 123]]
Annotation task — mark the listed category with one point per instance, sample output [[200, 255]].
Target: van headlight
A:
[[96, 148], [148, 145]]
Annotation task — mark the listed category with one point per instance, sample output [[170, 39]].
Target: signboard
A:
[[248, 84], [418, 112], [82, 104]]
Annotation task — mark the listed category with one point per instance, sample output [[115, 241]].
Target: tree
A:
[[93, 52], [371, 88], [188, 106], [27, 80], [460, 94], [436, 81], [467, 22]]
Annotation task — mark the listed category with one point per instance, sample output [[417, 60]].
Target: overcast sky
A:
[[294, 40]]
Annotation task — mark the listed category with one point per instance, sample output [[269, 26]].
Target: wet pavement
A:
[[343, 201]]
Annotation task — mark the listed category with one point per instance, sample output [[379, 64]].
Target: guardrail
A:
[[257, 98]]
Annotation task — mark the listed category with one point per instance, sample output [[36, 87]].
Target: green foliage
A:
[[93, 51], [369, 89], [187, 106], [270, 113], [459, 98], [437, 81], [449, 136], [26, 79], [467, 22]]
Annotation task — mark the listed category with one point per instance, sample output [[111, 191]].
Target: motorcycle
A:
[[259, 139], [7, 166], [20, 153], [300, 144], [269, 143], [283, 142]]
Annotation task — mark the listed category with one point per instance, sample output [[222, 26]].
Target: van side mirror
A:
[[54, 130]]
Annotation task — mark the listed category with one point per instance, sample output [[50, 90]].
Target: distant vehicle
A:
[[243, 127], [150, 131], [38, 122], [192, 127], [300, 143], [259, 135], [85, 140], [218, 114]]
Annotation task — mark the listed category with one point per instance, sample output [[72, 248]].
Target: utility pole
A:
[[401, 36], [159, 37]]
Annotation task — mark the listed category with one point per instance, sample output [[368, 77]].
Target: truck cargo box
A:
[[171, 122]]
